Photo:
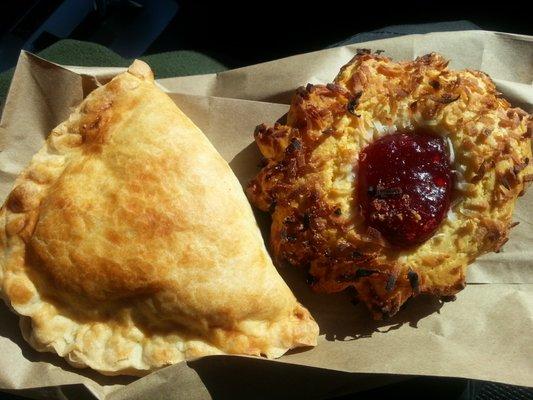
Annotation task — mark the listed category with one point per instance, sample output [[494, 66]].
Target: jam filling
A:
[[404, 186]]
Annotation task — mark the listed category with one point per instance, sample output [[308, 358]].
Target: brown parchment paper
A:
[[484, 334]]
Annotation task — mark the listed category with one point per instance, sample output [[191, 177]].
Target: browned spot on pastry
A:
[[22, 199], [113, 236], [528, 178], [15, 201], [529, 130], [95, 124], [460, 285], [391, 282], [481, 171], [517, 168], [413, 280], [354, 101], [18, 292], [435, 84]]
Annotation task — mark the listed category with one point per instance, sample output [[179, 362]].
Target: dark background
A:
[[235, 34], [226, 34]]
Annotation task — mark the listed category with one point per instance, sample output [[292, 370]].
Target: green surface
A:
[[75, 52]]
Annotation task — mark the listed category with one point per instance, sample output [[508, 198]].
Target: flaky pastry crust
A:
[[127, 244], [310, 173]]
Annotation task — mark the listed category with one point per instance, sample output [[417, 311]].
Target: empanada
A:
[[393, 178], [128, 244]]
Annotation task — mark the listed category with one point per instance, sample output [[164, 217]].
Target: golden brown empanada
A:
[[128, 243]]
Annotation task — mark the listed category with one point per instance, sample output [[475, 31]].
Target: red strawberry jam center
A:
[[404, 186]]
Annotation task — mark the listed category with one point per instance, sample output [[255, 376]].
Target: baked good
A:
[[392, 179], [127, 244]]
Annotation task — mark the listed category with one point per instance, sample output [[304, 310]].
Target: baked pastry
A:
[[392, 179], [128, 244]]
